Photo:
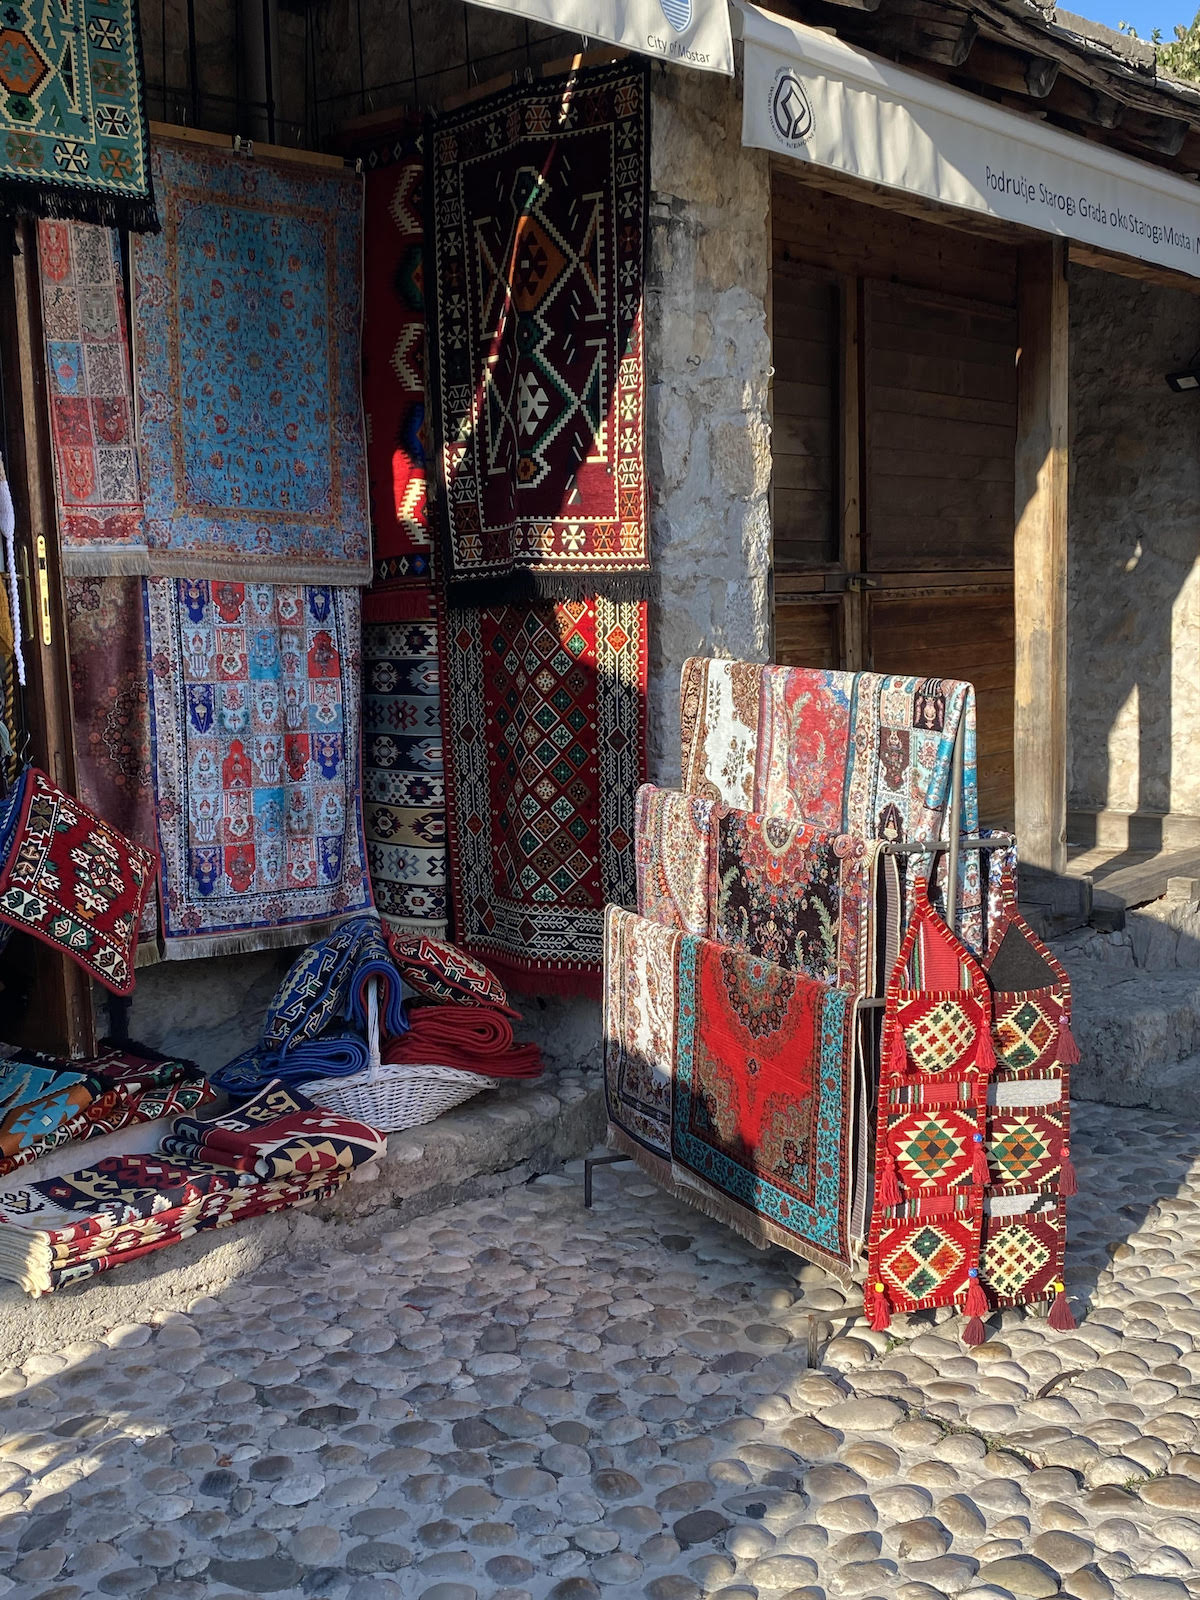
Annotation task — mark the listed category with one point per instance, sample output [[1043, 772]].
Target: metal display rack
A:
[[953, 846]]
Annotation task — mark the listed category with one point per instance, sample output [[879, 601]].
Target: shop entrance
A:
[[895, 427]]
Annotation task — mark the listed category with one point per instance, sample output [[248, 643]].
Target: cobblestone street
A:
[[517, 1398]]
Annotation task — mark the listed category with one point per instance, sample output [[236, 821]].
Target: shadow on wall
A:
[[1134, 539]]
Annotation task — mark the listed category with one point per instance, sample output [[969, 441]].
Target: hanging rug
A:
[[537, 199], [404, 785], [73, 135], [544, 724], [394, 379], [98, 486], [247, 313], [254, 695]]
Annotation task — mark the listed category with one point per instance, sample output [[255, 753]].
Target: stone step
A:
[[1133, 830], [1134, 1029], [1176, 1088], [501, 1137]]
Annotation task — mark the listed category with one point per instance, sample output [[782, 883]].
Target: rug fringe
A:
[[435, 930], [582, 983], [760, 1232], [148, 954], [21, 197], [689, 1193], [109, 563], [653, 1166], [524, 586], [294, 936], [251, 569]]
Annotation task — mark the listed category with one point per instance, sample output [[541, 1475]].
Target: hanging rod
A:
[[931, 847], [237, 144]]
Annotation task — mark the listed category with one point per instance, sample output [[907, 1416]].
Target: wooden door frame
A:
[[64, 1020], [1040, 557]]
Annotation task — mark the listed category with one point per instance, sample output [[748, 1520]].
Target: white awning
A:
[[694, 33], [809, 95]]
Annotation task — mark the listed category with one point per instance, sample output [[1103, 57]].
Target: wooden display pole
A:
[[1040, 558], [60, 1016]]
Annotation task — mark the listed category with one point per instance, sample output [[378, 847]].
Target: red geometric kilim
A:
[[929, 1247], [1028, 1124], [932, 1147], [72, 881], [930, 1164], [1024, 1147], [544, 722], [394, 377]]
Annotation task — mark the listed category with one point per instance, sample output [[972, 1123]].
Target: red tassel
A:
[[877, 1308], [895, 1055], [1060, 1316], [1067, 1185], [985, 1056], [975, 1305], [1068, 1050], [974, 1332], [979, 1162], [887, 1185]]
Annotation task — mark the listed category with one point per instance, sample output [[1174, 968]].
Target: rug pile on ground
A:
[[277, 1152]]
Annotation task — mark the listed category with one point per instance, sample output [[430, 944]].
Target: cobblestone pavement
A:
[[517, 1398]]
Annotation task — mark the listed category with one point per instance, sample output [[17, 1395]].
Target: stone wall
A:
[[1134, 577], [708, 441], [708, 358]]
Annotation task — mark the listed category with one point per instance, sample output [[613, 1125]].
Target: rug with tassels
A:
[[538, 200]]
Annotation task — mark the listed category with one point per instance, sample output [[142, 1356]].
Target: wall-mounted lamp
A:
[[1189, 378]]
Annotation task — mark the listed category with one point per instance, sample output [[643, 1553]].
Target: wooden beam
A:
[[60, 1018], [1083, 102], [852, 371], [1130, 267], [1015, 71], [1040, 557], [256, 147], [1163, 134], [928, 32]]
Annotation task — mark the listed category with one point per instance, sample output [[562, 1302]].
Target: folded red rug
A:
[[472, 1038]]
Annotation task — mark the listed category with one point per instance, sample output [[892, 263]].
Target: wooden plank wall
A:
[[931, 402], [825, 230], [806, 319], [941, 430], [967, 636]]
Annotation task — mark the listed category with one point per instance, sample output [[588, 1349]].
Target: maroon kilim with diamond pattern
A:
[[545, 736], [1028, 1122], [930, 1158]]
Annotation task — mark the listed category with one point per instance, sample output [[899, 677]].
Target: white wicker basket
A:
[[393, 1097]]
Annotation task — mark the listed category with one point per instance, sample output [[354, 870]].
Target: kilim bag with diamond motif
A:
[[930, 1159], [1028, 1119]]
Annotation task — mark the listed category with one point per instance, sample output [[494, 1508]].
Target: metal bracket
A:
[[588, 1164]]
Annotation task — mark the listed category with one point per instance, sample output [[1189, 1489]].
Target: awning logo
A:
[[791, 113], [677, 12]]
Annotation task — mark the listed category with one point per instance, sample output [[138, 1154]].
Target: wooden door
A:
[[894, 410]]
